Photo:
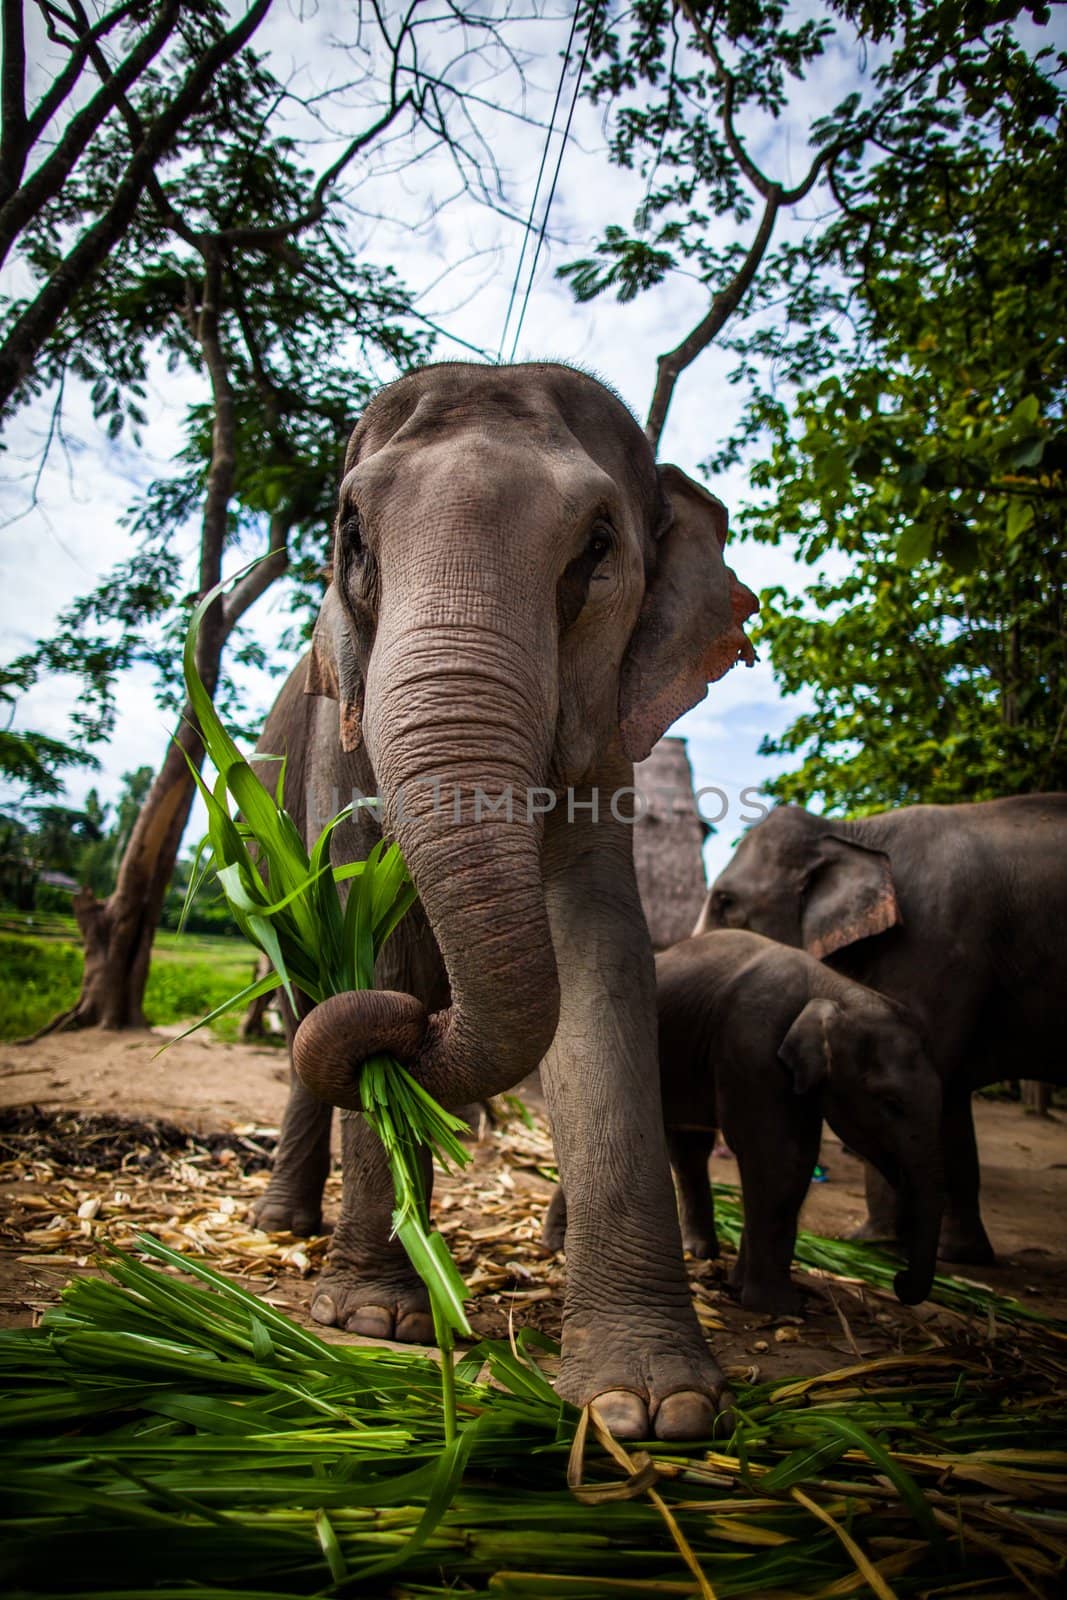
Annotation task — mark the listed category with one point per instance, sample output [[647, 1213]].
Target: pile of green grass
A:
[[40, 975], [174, 1440]]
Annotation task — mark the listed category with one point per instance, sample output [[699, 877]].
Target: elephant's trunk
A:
[[459, 725], [921, 1204]]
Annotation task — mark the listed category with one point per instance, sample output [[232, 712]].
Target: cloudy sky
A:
[[461, 259]]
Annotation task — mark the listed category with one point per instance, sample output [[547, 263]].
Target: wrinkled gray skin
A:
[[959, 912], [765, 1042], [521, 600]]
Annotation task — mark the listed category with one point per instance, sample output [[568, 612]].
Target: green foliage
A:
[[33, 761], [287, 903], [150, 1414], [933, 460], [40, 974], [305, 324], [694, 99], [80, 843]]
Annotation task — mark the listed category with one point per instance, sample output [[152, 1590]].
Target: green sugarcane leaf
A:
[[448, 1475], [264, 935], [262, 1343], [331, 1547], [858, 1438]]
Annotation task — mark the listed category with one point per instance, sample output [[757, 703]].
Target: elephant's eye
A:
[[573, 591], [599, 545], [351, 531]]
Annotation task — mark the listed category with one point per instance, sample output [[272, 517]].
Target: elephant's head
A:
[[801, 880], [521, 601], [882, 1096]]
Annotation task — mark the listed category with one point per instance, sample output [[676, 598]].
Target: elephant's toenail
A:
[[323, 1309], [686, 1415], [415, 1328], [373, 1322], [623, 1413]]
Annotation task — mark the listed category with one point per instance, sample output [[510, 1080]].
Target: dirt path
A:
[[55, 1210]]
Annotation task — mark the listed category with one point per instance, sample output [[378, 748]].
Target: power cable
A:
[[555, 175], [540, 175]]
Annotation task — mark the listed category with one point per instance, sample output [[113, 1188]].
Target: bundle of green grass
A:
[[169, 1439], [172, 1439]]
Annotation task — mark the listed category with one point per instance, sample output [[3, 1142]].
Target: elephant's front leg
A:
[[690, 1150], [963, 1235], [293, 1199], [631, 1340], [368, 1285]]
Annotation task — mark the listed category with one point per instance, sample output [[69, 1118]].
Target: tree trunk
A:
[[253, 1025], [118, 932], [1037, 1097]]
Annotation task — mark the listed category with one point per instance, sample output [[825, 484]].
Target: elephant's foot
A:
[[289, 1208], [647, 1383], [875, 1230], [386, 1302], [773, 1299], [965, 1242]]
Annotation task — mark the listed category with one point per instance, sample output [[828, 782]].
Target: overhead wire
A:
[[540, 176]]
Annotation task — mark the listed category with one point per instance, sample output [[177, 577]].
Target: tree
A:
[[33, 761], [203, 48], [680, 80], [934, 459], [238, 264]]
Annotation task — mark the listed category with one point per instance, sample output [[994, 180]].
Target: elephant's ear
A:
[[333, 669], [849, 895], [806, 1049], [690, 628]]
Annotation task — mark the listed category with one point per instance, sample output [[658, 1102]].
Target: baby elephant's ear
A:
[[690, 628], [333, 670], [806, 1048]]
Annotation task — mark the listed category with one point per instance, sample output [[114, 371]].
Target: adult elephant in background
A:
[[522, 604], [959, 912]]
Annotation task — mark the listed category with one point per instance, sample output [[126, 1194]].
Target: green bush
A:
[[38, 978], [190, 976]]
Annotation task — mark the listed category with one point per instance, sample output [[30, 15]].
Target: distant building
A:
[[669, 844]]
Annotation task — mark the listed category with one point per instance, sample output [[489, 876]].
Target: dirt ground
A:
[[59, 1200]]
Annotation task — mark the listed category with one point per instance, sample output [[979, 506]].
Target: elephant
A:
[[522, 602], [958, 912], [764, 1041]]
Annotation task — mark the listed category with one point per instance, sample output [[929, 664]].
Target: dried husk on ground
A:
[[159, 1435]]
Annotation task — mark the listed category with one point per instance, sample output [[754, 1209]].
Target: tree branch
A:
[[756, 178], [42, 315], [13, 140], [62, 85], [49, 177], [670, 367]]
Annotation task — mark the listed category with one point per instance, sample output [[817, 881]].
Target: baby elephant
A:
[[764, 1041]]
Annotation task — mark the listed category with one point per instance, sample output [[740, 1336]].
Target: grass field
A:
[[41, 964]]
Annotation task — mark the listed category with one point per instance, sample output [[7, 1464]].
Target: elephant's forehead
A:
[[537, 406]]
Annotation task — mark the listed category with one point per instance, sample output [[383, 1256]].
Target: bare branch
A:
[[758, 180], [50, 176], [43, 314], [248, 589], [62, 85], [670, 367], [13, 141]]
